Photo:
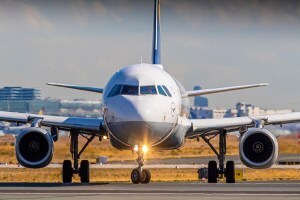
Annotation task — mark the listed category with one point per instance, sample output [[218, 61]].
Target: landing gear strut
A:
[[213, 171], [140, 175], [68, 170]]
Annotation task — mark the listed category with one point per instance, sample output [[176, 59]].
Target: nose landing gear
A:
[[140, 175]]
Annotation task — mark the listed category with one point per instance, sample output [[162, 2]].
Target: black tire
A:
[[146, 176], [230, 172], [67, 171], [84, 171], [135, 176], [212, 172]]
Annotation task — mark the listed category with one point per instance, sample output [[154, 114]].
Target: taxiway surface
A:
[[166, 191]]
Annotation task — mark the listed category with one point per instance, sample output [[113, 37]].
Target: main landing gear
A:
[[68, 170], [140, 175], [213, 171]]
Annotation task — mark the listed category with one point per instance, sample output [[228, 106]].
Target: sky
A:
[[210, 43]]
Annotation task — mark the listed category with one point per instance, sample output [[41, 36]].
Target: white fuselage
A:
[[143, 105]]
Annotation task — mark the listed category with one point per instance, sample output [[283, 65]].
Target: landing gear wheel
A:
[[84, 171], [135, 176], [67, 171], [146, 176], [230, 172], [212, 172]]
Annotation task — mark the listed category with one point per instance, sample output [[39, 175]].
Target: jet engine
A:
[[34, 148], [258, 148]]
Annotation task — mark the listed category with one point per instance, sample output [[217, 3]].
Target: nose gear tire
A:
[[146, 176], [135, 176]]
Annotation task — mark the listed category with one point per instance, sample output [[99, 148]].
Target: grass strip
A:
[[53, 175]]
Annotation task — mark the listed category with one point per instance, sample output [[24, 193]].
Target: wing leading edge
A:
[[63, 123], [206, 126]]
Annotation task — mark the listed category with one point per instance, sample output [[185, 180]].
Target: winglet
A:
[[225, 89], [77, 87]]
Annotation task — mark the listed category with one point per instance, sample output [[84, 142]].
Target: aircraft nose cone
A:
[[139, 132], [137, 122]]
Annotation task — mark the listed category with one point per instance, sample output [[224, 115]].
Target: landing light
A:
[[105, 137], [136, 148], [145, 148]]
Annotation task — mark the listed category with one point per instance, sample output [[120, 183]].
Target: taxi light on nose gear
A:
[[136, 148], [145, 148], [105, 137]]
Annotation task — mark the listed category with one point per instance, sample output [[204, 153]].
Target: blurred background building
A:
[[17, 99], [28, 100]]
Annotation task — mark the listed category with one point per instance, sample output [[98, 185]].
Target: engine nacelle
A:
[[34, 148], [258, 148]]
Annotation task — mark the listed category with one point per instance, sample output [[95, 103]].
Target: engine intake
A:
[[34, 148], [258, 148]]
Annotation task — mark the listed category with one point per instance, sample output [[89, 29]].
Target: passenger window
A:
[[151, 89], [167, 91], [161, 91], [130, 90], [115, 91]]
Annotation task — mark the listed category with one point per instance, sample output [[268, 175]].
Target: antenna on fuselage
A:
[[156, 53]]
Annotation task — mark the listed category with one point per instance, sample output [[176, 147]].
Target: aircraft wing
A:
[[62, 123], [77, 87], [224, 89], [211, 126]]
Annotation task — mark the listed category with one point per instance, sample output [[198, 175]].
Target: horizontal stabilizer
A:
[[76, 87], [225, 89]]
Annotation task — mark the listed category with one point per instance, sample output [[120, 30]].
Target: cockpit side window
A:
[[130, 90], [167, 91], [115, 91], [150, 89], [161, 90]]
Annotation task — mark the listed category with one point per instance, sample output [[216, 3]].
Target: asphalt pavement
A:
[[152, 191]]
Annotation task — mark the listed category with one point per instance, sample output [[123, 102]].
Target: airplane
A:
[[145, 107]]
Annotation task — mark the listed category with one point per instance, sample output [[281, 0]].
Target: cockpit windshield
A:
[[115, 91], [167, 91], [161, 90], [130, 90], [151, 89], [136, 90]]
